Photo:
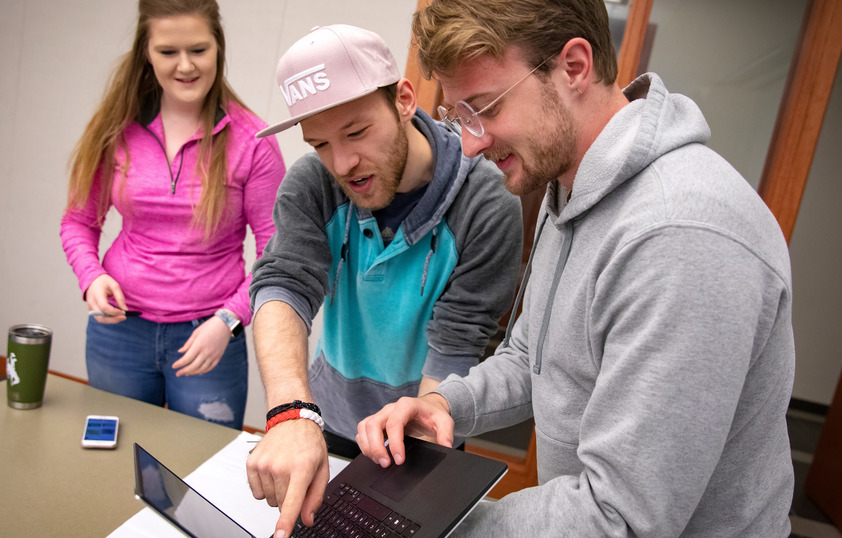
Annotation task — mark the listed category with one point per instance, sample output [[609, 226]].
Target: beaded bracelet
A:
[[290, 414], [297, 404]]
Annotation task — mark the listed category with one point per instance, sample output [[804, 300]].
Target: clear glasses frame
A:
[[468, 118]]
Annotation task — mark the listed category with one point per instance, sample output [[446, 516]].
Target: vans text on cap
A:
[[330, 66]]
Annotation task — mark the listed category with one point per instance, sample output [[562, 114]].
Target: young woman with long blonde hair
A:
[[172, 148]]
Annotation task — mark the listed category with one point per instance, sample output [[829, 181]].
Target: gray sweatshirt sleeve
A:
[[297, 257], [486, 220], [680, 351]]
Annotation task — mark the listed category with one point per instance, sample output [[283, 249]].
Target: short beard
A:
[[392, 174], [552, 144]]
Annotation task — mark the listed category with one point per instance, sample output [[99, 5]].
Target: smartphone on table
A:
[[100, 431]]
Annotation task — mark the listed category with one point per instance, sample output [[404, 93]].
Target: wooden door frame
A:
[[427, 92], [788, 160], [801, 113]]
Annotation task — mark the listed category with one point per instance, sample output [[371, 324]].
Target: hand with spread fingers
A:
[[204, 348], [427, 416]]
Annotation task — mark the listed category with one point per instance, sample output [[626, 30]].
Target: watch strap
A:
[[234, 324]]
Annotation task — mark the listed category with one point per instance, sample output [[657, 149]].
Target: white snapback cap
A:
[[330, 66]]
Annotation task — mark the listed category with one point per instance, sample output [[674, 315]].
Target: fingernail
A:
[[384, 462], [280, 533], [398, 459]]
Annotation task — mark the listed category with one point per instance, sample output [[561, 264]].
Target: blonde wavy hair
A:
[[448, 32], [132, 87]]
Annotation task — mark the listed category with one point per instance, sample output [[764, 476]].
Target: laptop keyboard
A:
[[349, 513]]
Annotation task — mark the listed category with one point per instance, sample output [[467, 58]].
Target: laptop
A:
[[427, 496]]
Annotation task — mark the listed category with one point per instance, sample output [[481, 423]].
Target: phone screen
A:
[[101, 429]]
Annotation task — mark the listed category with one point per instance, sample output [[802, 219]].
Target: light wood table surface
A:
[[51, 486]]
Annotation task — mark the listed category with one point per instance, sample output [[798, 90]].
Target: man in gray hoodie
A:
[[655, 349]]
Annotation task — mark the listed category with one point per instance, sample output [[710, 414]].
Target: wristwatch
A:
[[231, 320]]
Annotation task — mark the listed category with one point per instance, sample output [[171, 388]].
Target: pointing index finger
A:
[[291, 507]]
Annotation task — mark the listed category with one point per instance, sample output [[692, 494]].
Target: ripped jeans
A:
[[134, 358]]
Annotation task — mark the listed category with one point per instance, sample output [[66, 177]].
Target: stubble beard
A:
[[390, 177], [552, 144]]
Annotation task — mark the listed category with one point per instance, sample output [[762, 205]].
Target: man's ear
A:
[[405, 100], [576, 62]]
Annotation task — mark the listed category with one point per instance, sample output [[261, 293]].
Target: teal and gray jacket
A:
[[426, 304]]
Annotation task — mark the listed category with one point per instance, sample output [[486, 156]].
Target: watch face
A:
[[237, 329]]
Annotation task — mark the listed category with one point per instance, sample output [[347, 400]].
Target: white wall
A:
[[732, 59], [55, 56]]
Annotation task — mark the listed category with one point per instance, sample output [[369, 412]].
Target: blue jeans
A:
[[134, 358]]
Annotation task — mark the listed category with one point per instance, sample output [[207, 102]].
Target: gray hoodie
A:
[[655, 350]]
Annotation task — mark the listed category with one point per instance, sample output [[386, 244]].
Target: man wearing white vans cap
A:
[[331, 66], [411, 250]]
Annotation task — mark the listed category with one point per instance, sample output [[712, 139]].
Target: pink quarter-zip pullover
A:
[[164, 265]]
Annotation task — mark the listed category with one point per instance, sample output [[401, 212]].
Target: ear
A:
[[405, 100], [576, 62]]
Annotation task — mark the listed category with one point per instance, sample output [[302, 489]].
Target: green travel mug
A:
[[26, 365]]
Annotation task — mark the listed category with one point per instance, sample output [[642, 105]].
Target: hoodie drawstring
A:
[[343, 255], [343, 252], [427, 260], [548, 308], [523, 282]]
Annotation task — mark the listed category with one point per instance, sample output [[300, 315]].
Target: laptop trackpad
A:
[[398, 480]]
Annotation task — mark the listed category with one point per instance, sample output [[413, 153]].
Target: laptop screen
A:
[[166, 493]]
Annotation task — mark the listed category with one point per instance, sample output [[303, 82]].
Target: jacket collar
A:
[[151, 109]]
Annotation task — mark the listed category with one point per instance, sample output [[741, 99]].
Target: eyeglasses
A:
[[468, 118]]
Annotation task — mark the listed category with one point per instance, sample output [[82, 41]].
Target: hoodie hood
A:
[[654, 123], [449, 173], [450, 169]]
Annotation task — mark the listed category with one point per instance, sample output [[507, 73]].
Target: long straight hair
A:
[[133, 86]]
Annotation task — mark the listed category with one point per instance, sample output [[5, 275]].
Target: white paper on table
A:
[[222, 480]]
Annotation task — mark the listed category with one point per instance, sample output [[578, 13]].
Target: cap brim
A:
[[286, 124]]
